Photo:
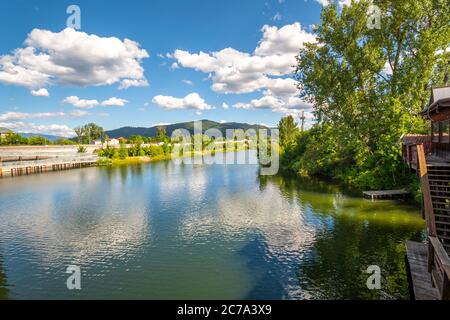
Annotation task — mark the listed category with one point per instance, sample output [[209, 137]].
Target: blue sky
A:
[[178, 58]]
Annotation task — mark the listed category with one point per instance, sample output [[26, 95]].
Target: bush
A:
[[82, 149]]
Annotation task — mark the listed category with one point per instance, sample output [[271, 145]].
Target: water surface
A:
[[161, 230]]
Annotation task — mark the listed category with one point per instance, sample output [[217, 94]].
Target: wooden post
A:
[[1, 168], [425, 185]]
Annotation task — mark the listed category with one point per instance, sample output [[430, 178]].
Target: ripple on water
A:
[[166, 231]]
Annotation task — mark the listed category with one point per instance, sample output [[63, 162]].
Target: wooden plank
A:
[[425, 185], [420, 278], [386, 194]]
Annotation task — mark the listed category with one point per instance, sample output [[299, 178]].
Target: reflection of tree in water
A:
[[335, 267], [3, 289], [352, 235]]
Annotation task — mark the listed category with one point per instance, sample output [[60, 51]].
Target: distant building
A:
[[113, 142], [97, 142]]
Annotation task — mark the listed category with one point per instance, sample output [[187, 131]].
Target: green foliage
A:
[[362, 110], [81, 149], [64, 142], [288, 131], [123, 152], [88, 133], [38, 141], [104, 162], [11, 138]]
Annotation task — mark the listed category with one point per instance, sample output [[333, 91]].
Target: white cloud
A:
[[191, 101], [225, 105], [114, 102], [89, 104], [341, 3], [15, 116], [161, 124], [72, 57], [40, 93], [174, 66], [288, 105], [223, 121], [127, 83], [267, 69], [81, 103], [52, 129], [281, 41], [78, 113], [188, 82]]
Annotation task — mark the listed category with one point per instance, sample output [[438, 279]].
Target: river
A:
[[167, 231]]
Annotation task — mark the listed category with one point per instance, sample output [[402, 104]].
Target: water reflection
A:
[[356, 234], [158, 231], [3, 282]]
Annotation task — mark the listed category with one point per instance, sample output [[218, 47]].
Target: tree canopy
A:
[[368, 85]]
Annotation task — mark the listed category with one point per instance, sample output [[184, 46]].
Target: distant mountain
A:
[[127, 132], [49, 137], [46, 136]]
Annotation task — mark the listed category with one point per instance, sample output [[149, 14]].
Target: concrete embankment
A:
[[24, 160]]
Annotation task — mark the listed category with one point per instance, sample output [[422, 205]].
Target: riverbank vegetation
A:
[[367, 87]]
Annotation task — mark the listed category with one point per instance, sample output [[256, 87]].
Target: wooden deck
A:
[[386, 194], [420, 279]]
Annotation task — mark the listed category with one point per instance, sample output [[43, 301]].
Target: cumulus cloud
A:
[[191, 101], [40, 93], [81, 103], [269, 101], [114, 102], [15, 116], [127, 83], [52, 129], [267, 69], [89, 104], [225, 105], [72, 57]]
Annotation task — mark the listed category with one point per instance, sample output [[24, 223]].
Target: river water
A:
[[163, 230]]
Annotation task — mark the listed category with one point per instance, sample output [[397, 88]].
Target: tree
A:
[[161, 134], [288, 131], [88, 133], [368, 84], [38, 141], [79, 131]]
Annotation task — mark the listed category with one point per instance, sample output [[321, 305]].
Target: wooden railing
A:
[[439, 267], [438, 259], [425, 186], [409, 153]]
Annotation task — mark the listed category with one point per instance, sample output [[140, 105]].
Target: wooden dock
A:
[[386, 194], [419, 277], [41, 165]]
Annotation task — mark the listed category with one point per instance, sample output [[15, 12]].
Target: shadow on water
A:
[[267, 278], [3, 282]]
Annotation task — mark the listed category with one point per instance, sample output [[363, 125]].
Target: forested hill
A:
[[127, 132]]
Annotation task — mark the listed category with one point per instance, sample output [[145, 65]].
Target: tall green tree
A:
[[161, 134], [370, 84], [88, 133], [288, 131]]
